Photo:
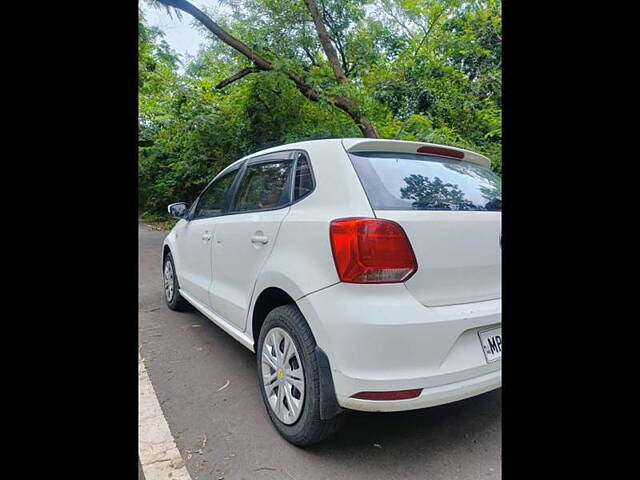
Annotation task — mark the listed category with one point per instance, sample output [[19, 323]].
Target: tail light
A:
[[369, 250]]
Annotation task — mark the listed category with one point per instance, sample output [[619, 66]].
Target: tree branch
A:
[[213, 27], [345, 104], [325, 41], [310, 56], [389, 11], [328, 19], [428, 31], [242, 73]]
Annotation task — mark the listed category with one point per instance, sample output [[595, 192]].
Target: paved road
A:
[[188, 359]]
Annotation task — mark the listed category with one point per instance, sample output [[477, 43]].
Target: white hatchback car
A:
[[364, 273]]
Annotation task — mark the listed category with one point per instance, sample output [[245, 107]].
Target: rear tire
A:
[[304, 426], [171, 288]]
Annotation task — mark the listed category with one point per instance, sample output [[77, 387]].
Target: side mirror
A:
[[178, 210]]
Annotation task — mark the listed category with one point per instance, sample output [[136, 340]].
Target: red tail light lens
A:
[[369, 250], [395, 395]]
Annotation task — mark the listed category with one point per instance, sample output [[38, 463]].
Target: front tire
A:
[[172, 296], [289, 378]]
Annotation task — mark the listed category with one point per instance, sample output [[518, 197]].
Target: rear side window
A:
[[406, 181], [303, 180], [215, 199], [264, 186]]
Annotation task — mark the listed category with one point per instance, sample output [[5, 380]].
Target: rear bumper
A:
[[380, 338], [429, 397]]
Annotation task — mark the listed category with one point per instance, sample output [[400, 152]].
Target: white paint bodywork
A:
[[381, 338], [418, 334], [458, 254]]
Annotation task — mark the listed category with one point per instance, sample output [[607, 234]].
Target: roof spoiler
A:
[[354, 145]]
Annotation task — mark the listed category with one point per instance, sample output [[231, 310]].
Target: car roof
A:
[[355, 145], [279, 148]]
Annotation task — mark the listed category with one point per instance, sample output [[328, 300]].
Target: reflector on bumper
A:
[[395, 395]]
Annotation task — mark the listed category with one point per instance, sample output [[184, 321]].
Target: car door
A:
[[245, 237], [194, 238]]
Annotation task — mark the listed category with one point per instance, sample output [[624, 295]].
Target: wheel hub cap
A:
[[168, 281], [283, 376]]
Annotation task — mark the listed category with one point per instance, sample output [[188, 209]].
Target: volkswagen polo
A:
[[364, 274]]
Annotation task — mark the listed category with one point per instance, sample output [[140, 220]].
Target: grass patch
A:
[[158, 223]]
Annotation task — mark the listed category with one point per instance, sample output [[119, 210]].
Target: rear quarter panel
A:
[[301, 261]]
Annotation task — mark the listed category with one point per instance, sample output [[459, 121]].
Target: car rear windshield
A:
[[407, 181]]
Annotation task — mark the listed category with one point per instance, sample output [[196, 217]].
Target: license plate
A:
[[491, 341]]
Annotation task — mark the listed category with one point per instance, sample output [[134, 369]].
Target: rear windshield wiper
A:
[[431, 206]]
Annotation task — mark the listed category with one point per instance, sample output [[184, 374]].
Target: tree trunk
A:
[[367, 127]]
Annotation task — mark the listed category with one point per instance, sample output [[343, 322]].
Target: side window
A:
[[264, 186], [303, 180], [215, 199]]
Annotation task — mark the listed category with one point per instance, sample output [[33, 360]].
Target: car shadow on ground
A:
[[463, 422]]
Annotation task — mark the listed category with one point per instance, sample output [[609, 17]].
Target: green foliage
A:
[[424, 70]]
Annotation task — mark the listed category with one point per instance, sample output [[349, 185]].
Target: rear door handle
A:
[[259, 239]]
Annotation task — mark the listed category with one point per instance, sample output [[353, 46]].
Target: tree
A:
[[426, 70], [260, 63]]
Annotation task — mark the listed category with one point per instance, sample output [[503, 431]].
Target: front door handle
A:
[[206, 237], [259, 239]]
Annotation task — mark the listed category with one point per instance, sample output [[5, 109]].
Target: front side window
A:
[[214, 201], [264, 186], [406, 181]]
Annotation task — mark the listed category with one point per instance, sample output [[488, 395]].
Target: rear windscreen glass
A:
[[406, 181]]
